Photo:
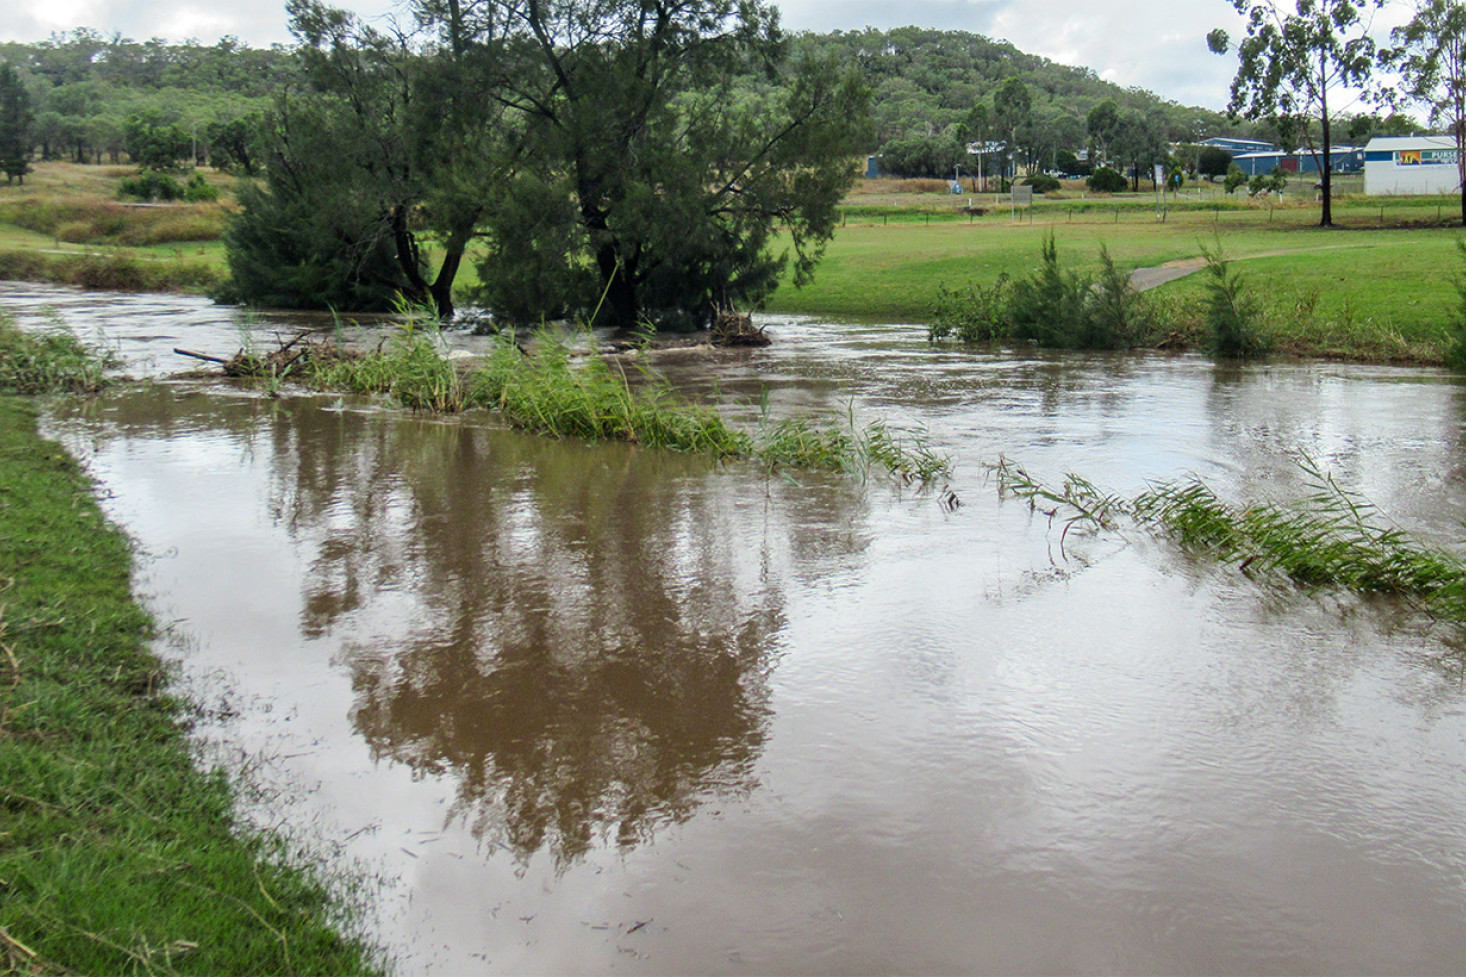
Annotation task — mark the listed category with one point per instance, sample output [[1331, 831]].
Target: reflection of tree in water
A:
[[589, 629]]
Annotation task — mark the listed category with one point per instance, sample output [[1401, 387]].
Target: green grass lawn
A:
[[1399, 279], [117, 853]]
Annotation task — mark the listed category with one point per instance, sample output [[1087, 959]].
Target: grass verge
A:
[[115, 270], [1368, 293], [117, 854]]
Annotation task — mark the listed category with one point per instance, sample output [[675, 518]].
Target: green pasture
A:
[[1398, 278]]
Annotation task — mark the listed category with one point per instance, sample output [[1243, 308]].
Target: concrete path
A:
[[1144, 279]]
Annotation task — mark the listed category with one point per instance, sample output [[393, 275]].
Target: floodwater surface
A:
[[590, 708]]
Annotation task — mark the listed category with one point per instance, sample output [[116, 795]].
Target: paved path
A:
[[1143, 279]]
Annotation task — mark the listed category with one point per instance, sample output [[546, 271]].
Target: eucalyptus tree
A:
[[1012, 114], [1430, 55], [1293, 60], [1103, 125]]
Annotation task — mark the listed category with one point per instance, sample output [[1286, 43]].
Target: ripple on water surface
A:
[[592, 708]]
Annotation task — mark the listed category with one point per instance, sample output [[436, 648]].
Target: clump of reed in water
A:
[[49, 361], [549, 394], [410, 369], [1330, 538], [553, 393]]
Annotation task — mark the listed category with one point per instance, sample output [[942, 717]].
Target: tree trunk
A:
[[442, 287], [619, 308], [1327, 219], [408, 257]]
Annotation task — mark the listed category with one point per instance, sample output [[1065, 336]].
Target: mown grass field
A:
[[1393, 274]]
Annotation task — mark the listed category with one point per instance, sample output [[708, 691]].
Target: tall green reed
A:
[[1331, 537]]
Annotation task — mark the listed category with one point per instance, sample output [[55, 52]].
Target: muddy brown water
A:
[[588, 708]]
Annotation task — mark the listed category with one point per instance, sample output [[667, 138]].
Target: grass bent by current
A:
[[1330, 538], [555, 393]]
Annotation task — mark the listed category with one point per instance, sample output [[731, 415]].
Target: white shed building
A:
[[1410, 165]]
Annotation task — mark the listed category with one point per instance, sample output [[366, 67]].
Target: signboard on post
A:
[[1022, 197]]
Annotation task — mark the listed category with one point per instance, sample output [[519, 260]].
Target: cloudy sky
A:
[[1153, 45]]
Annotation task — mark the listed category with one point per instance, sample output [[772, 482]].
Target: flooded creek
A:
[[590, 708]]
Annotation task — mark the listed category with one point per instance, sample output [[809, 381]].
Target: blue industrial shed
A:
[[1343, 159]]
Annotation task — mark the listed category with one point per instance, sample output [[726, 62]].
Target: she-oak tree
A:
[[631, 159]]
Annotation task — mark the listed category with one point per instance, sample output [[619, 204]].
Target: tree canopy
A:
[[1292, 61], [622, 160], [1431, 55], [16, 119]]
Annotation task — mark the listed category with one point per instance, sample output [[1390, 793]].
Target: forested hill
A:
[[85, 86], [927, 80], [926, 86]]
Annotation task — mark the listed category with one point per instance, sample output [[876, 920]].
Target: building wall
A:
[[1409, 170], [1343, 161]]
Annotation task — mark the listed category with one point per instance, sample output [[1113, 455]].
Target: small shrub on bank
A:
[[198, 190], [1233, 318], [1043, 183], [150, 185], [1052, 307], [1106, 180], [975, 314], [1118, 315], [1049, 307]]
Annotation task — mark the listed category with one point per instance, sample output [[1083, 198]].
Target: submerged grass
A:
[[558, 394], [55, 361], [117, 854], [1331, 538]]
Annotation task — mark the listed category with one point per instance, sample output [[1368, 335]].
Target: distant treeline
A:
[[931, 92]]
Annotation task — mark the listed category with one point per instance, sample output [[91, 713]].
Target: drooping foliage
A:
[[386, 148], [614, 157], [662, 170]]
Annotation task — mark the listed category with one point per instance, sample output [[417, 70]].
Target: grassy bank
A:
[[1379, 287], [66, 225], [117, 855], [1361, 292]]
